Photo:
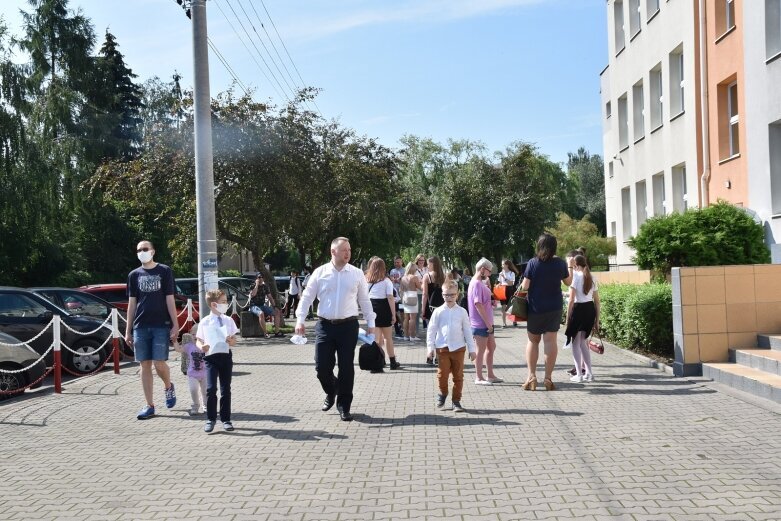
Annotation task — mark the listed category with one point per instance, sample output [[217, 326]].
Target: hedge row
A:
[[638, 316]]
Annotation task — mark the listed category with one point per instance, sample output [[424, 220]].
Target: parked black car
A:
[[79, 303], [23, 315], [13, 358], [83, 304]]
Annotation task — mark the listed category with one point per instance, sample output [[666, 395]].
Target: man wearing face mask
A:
[[151, 323]]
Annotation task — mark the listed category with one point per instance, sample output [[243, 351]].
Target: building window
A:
[[618, 25], [634, 17], [641, 203], [660, 203], [680, 194], [608, 110], [775, 165], [638, 112], [626, 214], [676, 82], [730, 12], [610, 170], [734, 119], [623, 123], [725, 16], [772, 27], [651, 8], [729, 119], [612, 228], [656, 91]]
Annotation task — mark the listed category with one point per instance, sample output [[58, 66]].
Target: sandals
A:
[[530, 385], [549, 384]]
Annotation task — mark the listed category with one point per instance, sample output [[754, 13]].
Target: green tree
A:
[[28, 194], [495, 210], [586, 194], [573, 233]]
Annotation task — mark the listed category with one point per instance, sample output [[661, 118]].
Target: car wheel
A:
[[86, 363], [11, 382]]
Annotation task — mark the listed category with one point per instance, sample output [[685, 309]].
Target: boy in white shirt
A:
[[216, 335], [450, 335]]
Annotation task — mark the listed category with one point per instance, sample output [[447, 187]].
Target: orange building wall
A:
[[725, 65]]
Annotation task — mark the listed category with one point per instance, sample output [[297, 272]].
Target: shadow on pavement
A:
[[552, 412], [431, 419], [287, 434]]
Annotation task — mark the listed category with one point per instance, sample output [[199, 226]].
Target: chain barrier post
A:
[[233, 305], [115, 338], [188, 325], [57, 354]]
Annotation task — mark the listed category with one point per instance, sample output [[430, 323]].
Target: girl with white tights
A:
[[582, 318]]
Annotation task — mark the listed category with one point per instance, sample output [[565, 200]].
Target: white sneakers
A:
[[582, 378], [482, 382]]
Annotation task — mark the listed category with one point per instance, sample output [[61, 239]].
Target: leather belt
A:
[[335, 321]]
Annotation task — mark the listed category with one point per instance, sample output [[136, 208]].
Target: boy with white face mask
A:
[[216, 335]]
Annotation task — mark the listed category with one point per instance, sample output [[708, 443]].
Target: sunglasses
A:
[[142, 249]]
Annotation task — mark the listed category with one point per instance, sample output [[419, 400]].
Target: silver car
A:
[[13, 358]]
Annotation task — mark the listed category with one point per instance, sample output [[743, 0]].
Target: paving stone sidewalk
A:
[[636, 444]]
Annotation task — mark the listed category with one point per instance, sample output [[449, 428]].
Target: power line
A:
[[276, 51], [286, 51], [282, 89], [264, 45], [228, 67]]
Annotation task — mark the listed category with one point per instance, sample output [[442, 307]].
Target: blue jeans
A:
[[151, 343], [219, 366]]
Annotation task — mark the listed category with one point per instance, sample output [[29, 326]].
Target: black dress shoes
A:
[[329, 401], [344, 415]]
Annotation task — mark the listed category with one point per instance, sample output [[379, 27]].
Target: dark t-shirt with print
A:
[[260, 297], [150, 287], [545, 284]]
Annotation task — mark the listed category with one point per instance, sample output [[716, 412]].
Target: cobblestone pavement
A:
[[636, 444]]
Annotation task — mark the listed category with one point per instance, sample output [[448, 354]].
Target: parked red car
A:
[[116, 294]]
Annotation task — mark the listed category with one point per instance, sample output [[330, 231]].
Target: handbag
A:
[[371, 357], [519, 307], [410, 298], [596, 345]]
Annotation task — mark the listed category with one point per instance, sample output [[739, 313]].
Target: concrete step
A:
[[765, 360], [769, 342], [747, 379]]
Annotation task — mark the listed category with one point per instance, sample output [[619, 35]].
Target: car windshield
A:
[[21, 306], [85, 304]]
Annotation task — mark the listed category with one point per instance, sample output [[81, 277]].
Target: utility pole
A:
[[204, 174]]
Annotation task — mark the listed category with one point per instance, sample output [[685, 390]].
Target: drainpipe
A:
[[705, 176]]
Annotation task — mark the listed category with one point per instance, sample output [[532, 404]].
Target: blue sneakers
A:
[[145, 413], [170, 397]]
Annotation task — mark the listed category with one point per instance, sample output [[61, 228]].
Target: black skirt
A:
[[584, 314], [382, 308]]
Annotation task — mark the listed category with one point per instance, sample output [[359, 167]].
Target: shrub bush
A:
[[638, 316], [717, 235]]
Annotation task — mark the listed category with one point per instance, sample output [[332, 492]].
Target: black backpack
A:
[[371, 357]]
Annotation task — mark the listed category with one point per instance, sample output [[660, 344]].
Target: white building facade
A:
[[650, 115]]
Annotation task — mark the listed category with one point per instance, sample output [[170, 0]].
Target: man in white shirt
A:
[[341, 288]]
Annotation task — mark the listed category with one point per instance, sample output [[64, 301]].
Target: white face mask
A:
[[144, 256], [221, 308]]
